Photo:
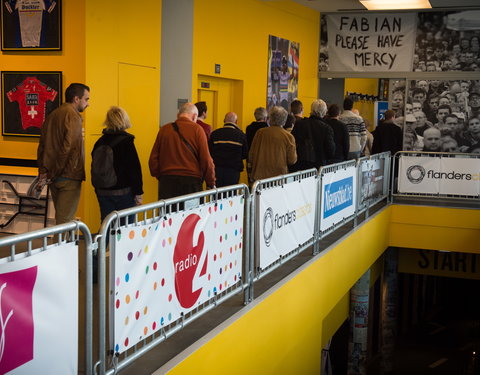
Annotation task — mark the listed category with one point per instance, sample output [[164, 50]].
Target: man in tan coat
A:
[[61, 154], [273, 148]]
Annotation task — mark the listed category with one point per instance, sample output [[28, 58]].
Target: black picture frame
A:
[[44, 31], [27, 98]]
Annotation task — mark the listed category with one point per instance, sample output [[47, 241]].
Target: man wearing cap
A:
[[412, 141], [474, 101]]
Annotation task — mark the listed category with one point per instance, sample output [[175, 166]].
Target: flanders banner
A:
[[39, 312], [169, 267], [371, 42], [286, 217], [436, 175]]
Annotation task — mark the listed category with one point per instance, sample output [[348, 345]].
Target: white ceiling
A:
[[355, 5]]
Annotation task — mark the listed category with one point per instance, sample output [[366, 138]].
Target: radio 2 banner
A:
[[39, 312], [286, 217], [172, 266], [436, 175], [371, 42], [338, 196]]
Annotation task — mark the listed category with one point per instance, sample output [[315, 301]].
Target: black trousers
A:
[[226, 176], [174, 186]]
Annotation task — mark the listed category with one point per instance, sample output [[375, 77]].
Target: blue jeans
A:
[[226, 176], [110, 203]]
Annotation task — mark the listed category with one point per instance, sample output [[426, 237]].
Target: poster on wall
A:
[[31, 25], [442, 116], [364, 42], [282, 81], [39, 308], [167, 268], [27, 98]]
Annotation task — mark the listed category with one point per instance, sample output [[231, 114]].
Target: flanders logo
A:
[[415, 174], [273, 221]]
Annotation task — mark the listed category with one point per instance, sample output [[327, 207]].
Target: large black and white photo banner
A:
[[436, 175], [287, 218], [338, 196], [365, 42]]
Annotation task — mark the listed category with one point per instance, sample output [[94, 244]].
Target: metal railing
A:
[[421, 172], [151, 214], [264, 186], [65, 233]]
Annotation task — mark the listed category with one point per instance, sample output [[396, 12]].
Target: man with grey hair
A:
[[261, 116], [273, 148], [180, 159], [228, 147], [314, 139]]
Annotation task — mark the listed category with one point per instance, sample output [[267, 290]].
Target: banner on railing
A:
[[338, 200], [172, 266], [39, 312], [439, 175], [286, 218], [372, 179]]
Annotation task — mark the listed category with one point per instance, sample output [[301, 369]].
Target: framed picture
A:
[[27, 98], [29, 25]]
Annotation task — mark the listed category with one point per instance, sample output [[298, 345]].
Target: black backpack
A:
[[103, 171]]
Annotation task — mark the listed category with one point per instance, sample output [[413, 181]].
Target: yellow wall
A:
[[284, 331], [70, 61], [123, 68], [366, 86], [235, 34]]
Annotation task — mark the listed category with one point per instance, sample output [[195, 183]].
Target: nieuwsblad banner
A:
[[286, 218], [371, 42], [454, 176], [338, 199], [372, 179], [172, 266], [39, 313]]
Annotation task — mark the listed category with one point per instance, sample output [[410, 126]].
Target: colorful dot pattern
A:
[[144, 298]]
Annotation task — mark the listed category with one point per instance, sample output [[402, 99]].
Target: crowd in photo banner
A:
[[441, 116], [447, 41]]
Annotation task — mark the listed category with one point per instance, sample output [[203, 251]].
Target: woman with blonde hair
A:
[[116, 171]]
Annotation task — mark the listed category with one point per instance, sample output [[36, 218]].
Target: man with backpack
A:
[[61, 154]]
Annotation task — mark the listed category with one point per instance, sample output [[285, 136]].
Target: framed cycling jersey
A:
[[27, 98], [31, 25]]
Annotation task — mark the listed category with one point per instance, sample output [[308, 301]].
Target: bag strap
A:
[[189, 146]]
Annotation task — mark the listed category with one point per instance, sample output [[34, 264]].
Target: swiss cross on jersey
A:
[[32, 96]]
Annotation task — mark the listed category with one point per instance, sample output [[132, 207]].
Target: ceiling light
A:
[[395, 4]]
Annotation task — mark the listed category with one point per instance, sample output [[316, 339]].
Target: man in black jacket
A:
[[387, 136], [228, 147], [340, 134], [261, 116], [314, 139]]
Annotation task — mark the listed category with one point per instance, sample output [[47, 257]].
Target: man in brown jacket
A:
[[61, 155], [180, 159], [273, 148]]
